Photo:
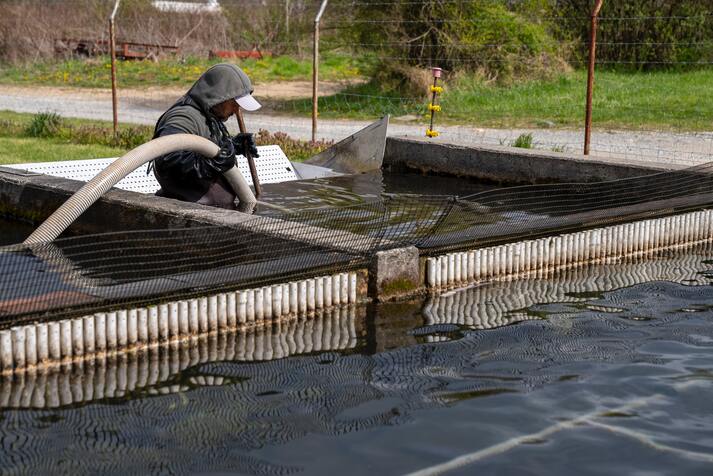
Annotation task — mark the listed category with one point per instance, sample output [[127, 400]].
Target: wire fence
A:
[[646, 109], [650, 90]]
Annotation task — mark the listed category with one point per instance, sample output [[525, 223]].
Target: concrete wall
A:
[[507, 164], [33, 197]]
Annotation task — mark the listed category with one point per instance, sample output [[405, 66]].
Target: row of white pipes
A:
[[543, 256], [116, 375], [42, 343], [496, 304]]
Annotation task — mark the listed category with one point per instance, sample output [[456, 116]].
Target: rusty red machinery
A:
[[127, 50], [239, 54]]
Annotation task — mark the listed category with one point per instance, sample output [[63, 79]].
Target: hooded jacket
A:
[[184, 175]]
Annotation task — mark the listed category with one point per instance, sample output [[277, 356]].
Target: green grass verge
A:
[[646, 101], [663, 100], [657, 100], [96, 72], [18, 150], [46, 137]]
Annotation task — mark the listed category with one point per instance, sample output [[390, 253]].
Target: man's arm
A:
[[187, 164]]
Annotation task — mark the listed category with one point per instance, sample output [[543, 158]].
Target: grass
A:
[[523, 141], [19, 150], [622, 100], [47, 137], [96, 72], [662, 100], [658, 100]]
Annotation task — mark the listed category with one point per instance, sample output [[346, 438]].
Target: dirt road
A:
[[146, 105]]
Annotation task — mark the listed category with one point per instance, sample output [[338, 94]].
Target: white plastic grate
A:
[[272, 167]]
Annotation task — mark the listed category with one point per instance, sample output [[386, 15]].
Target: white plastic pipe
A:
[[107, 178]]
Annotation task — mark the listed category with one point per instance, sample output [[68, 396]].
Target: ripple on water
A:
[[585, 377]]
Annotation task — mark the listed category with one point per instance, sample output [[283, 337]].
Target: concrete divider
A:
[[508, 164], [542, 257], [152, 369]]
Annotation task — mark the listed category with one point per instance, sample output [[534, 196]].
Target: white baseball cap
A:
[[248, 103]]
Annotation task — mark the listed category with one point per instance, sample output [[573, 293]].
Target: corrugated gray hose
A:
[[65, 215]]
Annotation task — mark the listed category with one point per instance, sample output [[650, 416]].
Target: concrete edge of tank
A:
[[509, 165]]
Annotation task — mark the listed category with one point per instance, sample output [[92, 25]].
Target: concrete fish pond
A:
[[430, 217], [468, 309]]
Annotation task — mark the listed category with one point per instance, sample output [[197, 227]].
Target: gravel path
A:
[[145, 106]]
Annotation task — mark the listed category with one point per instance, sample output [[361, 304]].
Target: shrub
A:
[[478, 35], [44, 124], [29, 29], [639, 34]]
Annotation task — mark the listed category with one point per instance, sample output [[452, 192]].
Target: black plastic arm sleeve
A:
[[187, 164]]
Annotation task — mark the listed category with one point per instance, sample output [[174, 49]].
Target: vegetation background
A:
[[501, 38], [508, 63]]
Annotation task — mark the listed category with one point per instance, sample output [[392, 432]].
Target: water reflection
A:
[[161, 370], [363, 188], [497, 304], [13, 231]]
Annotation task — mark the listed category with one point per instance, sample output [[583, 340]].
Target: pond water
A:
[[363, 188], [603, 370], [326, 193], [12, 231]]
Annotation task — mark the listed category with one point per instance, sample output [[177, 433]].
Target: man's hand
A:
[[244, 144], [225, 159]]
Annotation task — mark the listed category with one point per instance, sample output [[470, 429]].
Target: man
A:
[[186, 175]]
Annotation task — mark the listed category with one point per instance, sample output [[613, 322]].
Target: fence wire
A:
[[649, 85]]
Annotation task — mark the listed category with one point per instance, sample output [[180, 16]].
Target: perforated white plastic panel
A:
[[272, 167]]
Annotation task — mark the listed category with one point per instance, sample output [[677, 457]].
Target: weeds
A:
[[45, 124], [295, 149], [523, 141], [48, 125], [11, 128]]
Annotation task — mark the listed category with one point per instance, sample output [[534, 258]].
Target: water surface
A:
[[13, 231], [606, 370], [363, 188]]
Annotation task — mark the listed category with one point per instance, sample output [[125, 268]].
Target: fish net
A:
[[96, 272]]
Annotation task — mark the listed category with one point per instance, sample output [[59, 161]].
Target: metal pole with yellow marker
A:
[[432, 106]]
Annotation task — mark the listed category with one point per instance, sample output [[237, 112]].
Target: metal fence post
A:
[[315, 69], [590, 76], [287, 19], [112, 48]]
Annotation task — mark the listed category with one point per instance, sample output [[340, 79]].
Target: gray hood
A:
[[220, 83]]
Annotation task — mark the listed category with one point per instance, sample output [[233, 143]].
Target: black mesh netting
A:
[[92, 272]]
